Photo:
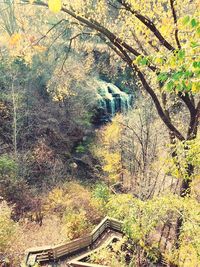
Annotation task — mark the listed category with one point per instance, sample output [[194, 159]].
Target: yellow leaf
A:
[[55, 5], [14, 39], [39, 48], [195, 87], [158, 61]]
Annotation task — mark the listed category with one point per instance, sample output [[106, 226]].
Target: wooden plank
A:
[[74, 248], [38, 249], [85, 264], [116, 227], [31, 259], [115, 222], [41, 258], [100, 225], [77, 241], [70, 243]]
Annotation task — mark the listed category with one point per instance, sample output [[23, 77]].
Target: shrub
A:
[[7, 227], [75, 224]]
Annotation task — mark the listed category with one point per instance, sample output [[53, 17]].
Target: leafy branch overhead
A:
[[171, 48]]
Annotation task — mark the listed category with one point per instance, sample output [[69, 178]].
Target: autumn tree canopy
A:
[[159, 42]]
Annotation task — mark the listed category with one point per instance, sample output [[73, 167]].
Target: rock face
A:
[[111, 100]]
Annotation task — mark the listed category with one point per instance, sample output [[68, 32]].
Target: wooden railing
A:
[[54, 253]]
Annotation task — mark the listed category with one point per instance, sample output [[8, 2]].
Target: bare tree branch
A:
[[45, 35], [70, 45], [175, 22], [149, 24]]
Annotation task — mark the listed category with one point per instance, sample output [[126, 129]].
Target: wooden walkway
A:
[[72, 252], [83, 258]]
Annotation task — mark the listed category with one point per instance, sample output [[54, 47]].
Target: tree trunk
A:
[[14, 103], [185, 190]]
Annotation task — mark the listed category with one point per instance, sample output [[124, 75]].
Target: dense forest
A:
[[99, 114]]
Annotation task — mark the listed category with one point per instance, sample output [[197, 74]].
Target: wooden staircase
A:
[[72, 249]]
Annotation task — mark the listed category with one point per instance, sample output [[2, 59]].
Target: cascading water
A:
[[111, 100]]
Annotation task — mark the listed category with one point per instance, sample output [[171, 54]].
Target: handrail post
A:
[[51, 255], [54, 254]]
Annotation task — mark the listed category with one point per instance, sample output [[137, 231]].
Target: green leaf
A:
[[170, 85], [186, 20], [177, 75], [194, 23], [188, 74], [162, 77], [181, 54], [198, 31], [196, 64], [144, 61], [179, 87], [189, 87], [138, 59], [194, 44]]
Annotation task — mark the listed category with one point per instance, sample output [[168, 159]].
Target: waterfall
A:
[[111, 100]]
